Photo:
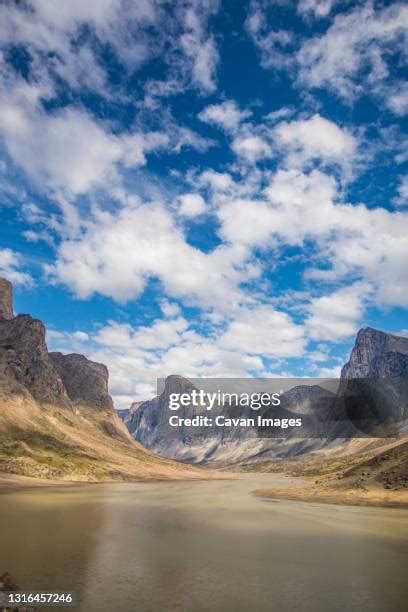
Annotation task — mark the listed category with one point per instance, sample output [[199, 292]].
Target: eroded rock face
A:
[[24, 358], [50, 377], [85, 381], [377, 354], [6, 299]]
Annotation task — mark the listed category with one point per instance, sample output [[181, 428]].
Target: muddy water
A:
[[204, 546]]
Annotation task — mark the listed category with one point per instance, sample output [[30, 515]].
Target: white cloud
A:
[[218, 181], [337, 315], [10, 264], [160, 335], [333, 372], [304, 140], [347, 241], [116, 253], [264, 331], [136, 357], [200, 47], [251, 148], [402, 197], [318, 8], [397, 98], [226, 115], [360, 41], [191, 205], [68, 151], [169, 309], [273, 44]]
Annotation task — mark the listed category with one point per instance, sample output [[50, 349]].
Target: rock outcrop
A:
[[51, 378], [377, 354], [24, 360], [25, 364], [6, 299], [85, 381]]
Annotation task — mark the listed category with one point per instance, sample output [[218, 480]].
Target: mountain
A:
[[149, 424], [376, 355], [57, 419], [377, 371]]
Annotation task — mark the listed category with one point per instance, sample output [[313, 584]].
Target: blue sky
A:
[[205, 188]]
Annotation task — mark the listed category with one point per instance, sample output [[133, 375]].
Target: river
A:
[[204, 546]]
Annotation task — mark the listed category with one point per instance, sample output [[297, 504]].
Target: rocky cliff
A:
[[85, 381], [25, 361], [377, 354], [57, 418], [6, 299]]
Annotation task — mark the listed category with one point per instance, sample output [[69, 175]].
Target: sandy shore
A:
[[14, 481], [350, 497]]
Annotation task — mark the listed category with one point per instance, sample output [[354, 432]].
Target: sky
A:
[[203, 187]]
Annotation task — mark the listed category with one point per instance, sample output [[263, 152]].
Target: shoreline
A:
[[345, 497], [14, 482]]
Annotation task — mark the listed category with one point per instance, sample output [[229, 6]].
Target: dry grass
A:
[[49, 442], [374, 473]]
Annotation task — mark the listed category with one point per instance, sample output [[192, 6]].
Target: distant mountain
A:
[[149, 424], [376, 355], [57, 419]]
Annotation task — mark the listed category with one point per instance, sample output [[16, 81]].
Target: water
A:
[[204, 546]]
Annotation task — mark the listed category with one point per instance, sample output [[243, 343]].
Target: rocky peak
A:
[[6, 299], [54, 378], [85, 381], [377, 354]]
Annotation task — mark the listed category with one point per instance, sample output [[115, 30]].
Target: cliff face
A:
[[51, 378], [6, 299], [24, 359], [377, 355], [85, 381]]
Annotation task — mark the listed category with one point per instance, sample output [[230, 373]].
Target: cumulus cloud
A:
[[118, 252], [265, 331], [10, 268], [137, 356], [317, 138], [337, 315], [226, 115], [68, 151], [191, 205], [251, 148]]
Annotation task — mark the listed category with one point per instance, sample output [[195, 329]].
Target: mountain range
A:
[[377, 369]]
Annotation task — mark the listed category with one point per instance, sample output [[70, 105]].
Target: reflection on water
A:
[[204, 546]]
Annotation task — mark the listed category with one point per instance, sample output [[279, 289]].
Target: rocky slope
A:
[[376, 355], [57, 418]]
